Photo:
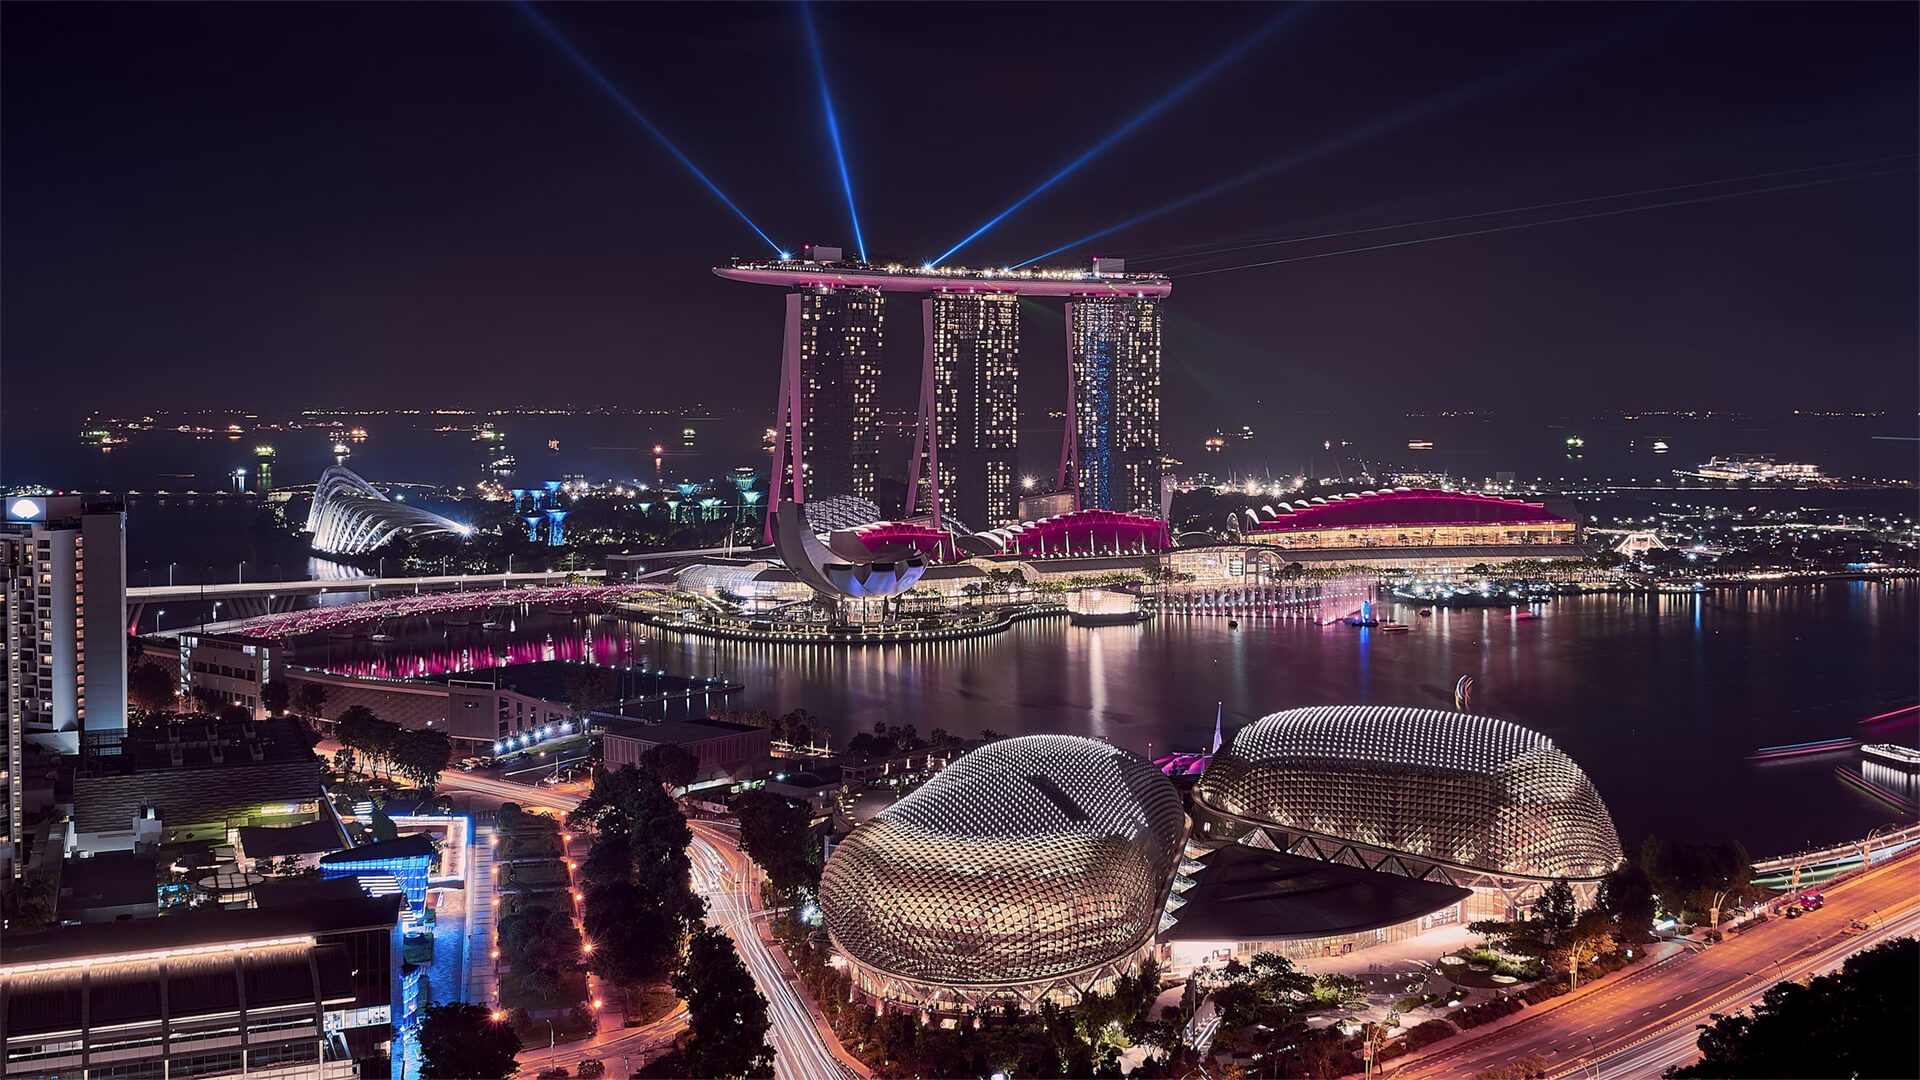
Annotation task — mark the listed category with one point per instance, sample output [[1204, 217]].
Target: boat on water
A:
[[1520, 616], [1362, 620], [1393, 627]]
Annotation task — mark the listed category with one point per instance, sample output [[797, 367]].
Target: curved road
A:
[[805, 1049], [1638, 1023]]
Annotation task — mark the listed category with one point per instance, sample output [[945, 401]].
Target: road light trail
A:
[[800, 1050], [1628, 1023]]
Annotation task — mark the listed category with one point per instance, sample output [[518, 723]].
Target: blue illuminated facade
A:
[[405, 860], [1116, 400]]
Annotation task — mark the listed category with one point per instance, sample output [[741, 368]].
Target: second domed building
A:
[[1030, 869]]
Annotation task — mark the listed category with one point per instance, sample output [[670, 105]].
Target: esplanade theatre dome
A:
[[1467, 792], [1027, 868]]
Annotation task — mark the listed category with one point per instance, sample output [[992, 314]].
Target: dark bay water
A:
[[1660, 699]]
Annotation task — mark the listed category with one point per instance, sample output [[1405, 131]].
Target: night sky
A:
[[273, 206]]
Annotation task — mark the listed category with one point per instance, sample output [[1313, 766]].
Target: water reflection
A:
[[1659, 698]]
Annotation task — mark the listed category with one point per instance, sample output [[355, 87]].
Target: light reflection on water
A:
[[1659, 698]]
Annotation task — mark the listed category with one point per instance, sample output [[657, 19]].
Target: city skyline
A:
[[350, 183], [1276, 539]]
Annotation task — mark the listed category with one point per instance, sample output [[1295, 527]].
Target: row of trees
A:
[[155, 687], [777, 833], [797, 727], [1052, 1042], [368, 743], [645, 923]]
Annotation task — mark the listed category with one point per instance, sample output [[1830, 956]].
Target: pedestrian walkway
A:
[[481, 984], [1422, 951]]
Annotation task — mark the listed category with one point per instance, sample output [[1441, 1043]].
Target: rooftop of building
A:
[[677, 732], [1244, 893], [341, 912], [110, 879], [279, 841], [895, 277], [413, 846], [203, 744], [1399, 506]]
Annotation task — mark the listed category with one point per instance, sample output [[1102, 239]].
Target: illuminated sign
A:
[[27, 509], [1236, 565]]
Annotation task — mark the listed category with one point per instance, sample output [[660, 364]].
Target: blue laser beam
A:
[[566, 47], [1557, 221], [1272, 26], [833, 127], [1196, 257], [1383, 125]]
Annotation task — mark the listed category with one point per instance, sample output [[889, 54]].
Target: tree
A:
[[674, 766], [310, 699], [777, 833], [796, 727], [152, 686], [1690, 877], [590, 686], [1845, 1024], [1589, 938], [234, 714], [461, 1041], [726, 1016], [1627, 896], [422, 755], [1557, 908], [29, 902], [382, 826], [369, 737], [274, 696]]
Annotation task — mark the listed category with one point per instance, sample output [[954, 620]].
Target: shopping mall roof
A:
[[1244, 893], [1399, 506]]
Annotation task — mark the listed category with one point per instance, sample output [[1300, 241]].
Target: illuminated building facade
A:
[[351, 517], [972, 399], [311, 987], [1114, 410], [1454, 798], [968, 380], [1027, 871], [1408, 518], [63, 588], [828, 424]]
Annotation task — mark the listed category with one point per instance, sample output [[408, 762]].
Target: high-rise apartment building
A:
[[65, 569], [831, 384], [974, 340], [1115, 343], [63, 601]]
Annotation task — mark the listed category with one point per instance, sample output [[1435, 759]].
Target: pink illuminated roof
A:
[[885, 534], [1406, 507]]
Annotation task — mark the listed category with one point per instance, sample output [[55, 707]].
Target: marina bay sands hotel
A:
[[965, 454]]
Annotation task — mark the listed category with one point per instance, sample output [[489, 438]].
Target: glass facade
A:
[[840, 334], [1027, 866], [1465, 791], [976, 344], [1116, 376]]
